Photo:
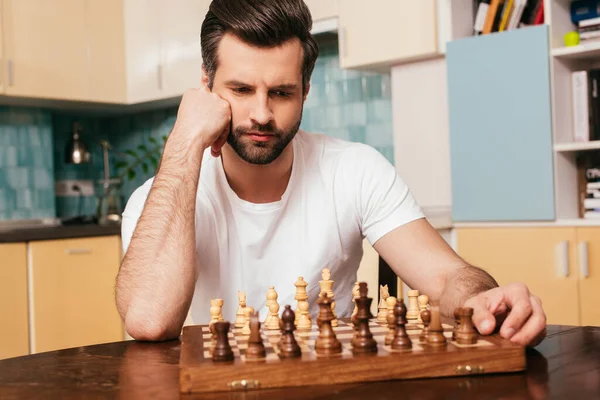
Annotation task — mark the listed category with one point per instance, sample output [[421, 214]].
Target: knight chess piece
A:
[[240, 315], [256, 349]]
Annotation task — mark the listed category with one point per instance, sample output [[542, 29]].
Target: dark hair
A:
[[262, 23]]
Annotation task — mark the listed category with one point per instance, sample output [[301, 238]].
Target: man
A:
[[269, 203]]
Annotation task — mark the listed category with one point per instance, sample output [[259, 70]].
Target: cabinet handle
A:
[[9, 68], [72, 252], [159, 75], [583, 260], [342, 40], [562, 259]]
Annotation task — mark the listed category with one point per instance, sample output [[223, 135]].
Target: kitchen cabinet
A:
[[322, 9], [386, 32], [72, 283], [549, 260], [14, 322]]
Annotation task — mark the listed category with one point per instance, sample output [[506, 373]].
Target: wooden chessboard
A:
[[198, 373]]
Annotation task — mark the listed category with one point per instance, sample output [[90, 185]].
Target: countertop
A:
[[29, 234], [565, 365]]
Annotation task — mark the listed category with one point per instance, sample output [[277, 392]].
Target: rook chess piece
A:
[[401, 340], [256, 349], [288, 347], [326, 343], [435, 334], [382, 307], [466, 334], [426, 317], [240, 318], [221, 351], [363, 341], [413, 305], [391, 320]]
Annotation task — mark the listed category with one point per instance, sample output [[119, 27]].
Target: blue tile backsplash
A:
[[352, 105]]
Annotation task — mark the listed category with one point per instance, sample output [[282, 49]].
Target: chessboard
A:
[[199, 373]]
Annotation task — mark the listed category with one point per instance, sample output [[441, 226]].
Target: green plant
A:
[[144, 157]]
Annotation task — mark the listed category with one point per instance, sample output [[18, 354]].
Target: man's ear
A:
[[204, 78], [307, 90]]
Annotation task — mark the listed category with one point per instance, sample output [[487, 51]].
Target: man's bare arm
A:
[[156, 281]]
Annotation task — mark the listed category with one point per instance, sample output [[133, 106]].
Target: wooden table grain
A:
[[566, 365]]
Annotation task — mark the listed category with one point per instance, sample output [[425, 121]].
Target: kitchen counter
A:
[[57, 232]]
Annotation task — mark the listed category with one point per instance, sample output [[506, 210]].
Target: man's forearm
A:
[[156, 280], [466, 282]]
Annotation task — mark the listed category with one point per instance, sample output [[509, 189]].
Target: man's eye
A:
[[281, 93], [241, 90]]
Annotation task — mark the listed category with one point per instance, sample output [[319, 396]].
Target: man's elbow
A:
[[150, 329]]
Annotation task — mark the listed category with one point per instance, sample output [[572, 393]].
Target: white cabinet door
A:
[[322, 9]]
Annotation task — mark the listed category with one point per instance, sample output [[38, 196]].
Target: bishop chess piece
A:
[[327, 343], [391, 320], [326, 285], [272, 323], [382, 307], [363, 341], [221, 351], [288, 347], [248, 311], [256, 349], [271, 298], [423, 305], [426, 317], [435, 335], [413, 305], [240, 315], [465, 333], [401, 340]]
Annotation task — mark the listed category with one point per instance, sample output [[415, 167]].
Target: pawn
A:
[[426, 318], [304, 321], [256, 349], [401, 340], [465, 333], [272, 322], [288, 347], [271, 298], [390, 302], [221, 351], [423, 301], [248, 311], [435, 335]]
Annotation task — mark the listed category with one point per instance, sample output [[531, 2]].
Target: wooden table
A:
[[565, 365]]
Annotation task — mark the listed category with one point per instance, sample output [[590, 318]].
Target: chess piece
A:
[[355, 295], [465, 333], [288, 347], [426, 317], [272, 323], [435, 334], [240, 315], [303, 322], [423, 305], [456, 322], [300, 296], [391, 320], [413, 305], [401, 340], [382, 307], [326, 285], [271, 298], [215, 314], [221, 351], [256, 349], [246, 328], [326, 343], [363, 341]]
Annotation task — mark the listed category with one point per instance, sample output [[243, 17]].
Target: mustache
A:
[[268, 128]]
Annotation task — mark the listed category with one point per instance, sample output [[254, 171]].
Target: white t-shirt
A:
[[339, 192]]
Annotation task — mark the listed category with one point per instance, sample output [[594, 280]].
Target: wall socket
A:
[[65, 188]]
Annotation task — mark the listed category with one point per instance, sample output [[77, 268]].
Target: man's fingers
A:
[[533, 331], [219, 143], [518, 299], [483, 318]]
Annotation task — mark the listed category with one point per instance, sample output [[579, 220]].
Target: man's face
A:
[[264, 88]]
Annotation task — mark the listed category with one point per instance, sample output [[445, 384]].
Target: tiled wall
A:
[[351, 105], [26, 165]]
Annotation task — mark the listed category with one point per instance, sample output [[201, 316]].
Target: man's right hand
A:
[[203, 119]]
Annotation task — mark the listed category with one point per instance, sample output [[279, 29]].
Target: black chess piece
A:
[[288, 347], [222, 350], [363, 341], [327, 343], [401, 340], [256, 348], [426, 317], [465, 332], [456, 322]]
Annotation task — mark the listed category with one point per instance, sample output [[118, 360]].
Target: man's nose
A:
[[261, 112]]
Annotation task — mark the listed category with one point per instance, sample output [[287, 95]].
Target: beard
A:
[[261, 153]]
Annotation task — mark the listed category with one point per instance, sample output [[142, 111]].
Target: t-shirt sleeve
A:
[[133, 211], [383, 200]]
